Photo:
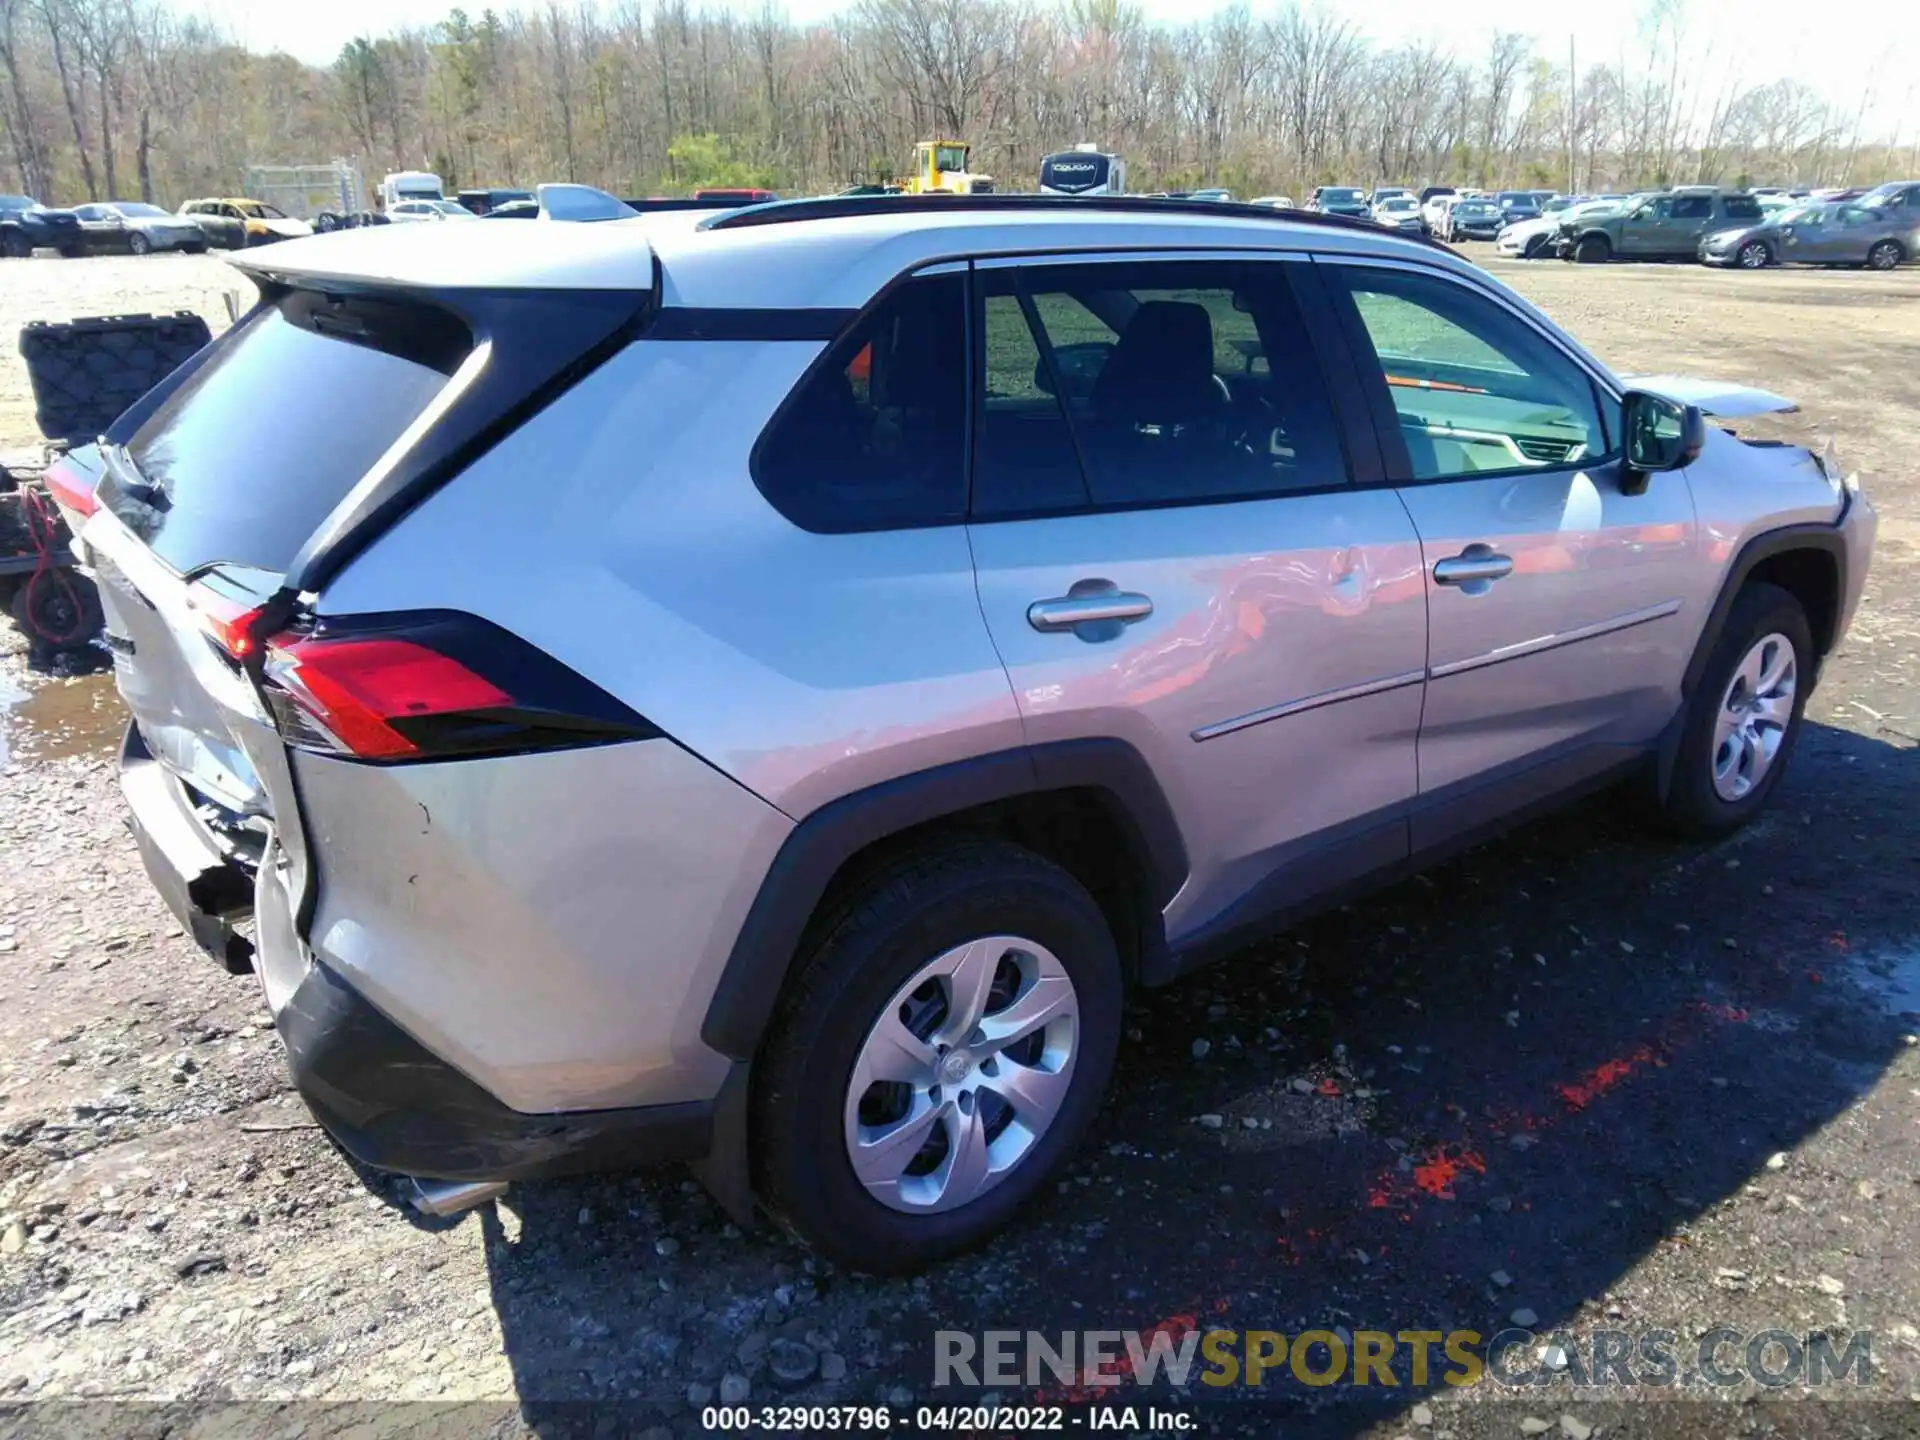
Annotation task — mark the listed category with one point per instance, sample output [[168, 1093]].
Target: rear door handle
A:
[[1065, 612], [1473, 569]]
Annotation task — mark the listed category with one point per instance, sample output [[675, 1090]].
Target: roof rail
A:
[[834, 207]]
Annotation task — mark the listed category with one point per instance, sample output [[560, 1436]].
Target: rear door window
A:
[[1148, 383], [1693, 207], [874, 438], [244, 461], [1743, 207]]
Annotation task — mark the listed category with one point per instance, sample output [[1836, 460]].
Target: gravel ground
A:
[[1577, 1081]]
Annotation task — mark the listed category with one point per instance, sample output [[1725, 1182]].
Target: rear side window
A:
[[1743, 207], [1146, 383], [1692, 207], [245, 460], [874, 438]]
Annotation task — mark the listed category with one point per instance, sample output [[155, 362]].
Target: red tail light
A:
[[229, 622], [432, 685], [72, 487]]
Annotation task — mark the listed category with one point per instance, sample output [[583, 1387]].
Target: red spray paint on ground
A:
[[1605, 1076], [1436, 1176]]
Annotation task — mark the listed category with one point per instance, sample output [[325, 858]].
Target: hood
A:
[[289, 228], [1722, 398]]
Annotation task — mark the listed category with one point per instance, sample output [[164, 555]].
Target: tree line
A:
[[133, 99]]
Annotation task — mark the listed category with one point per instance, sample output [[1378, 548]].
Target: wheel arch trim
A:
[[768, 942], [1823, 537]]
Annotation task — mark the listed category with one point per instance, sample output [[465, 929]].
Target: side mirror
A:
[[1661, 434]]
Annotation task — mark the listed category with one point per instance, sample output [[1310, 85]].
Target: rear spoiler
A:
[[681, 202], [460, 257]]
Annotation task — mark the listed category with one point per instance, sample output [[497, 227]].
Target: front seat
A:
[[1158, 408]]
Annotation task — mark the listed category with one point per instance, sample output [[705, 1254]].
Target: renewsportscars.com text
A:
[[1512, 1358]]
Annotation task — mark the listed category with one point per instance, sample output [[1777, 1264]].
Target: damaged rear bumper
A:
[[389, 1101], [202, 883], [393, 1104]]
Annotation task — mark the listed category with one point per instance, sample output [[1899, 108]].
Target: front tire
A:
[[1885, 255], [1744, 717], [1593, 250], [940, 1050], [1754, 255]]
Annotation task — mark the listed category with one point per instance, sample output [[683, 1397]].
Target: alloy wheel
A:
[[961, 1074], [1753, 255], [1751, 724]]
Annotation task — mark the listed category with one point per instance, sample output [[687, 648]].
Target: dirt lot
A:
[[1613, 1082]]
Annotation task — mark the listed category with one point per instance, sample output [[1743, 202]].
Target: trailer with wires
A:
[[85, 375]]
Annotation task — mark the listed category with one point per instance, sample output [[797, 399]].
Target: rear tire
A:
[[1885, 255], [1744, 717], [15, 246], [1593, 250], [138, 245], [895, 959]]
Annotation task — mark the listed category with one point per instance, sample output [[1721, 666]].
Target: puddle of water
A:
[[55, 717], [1893, 977]]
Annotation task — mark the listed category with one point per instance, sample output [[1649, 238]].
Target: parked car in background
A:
[[1340, 200], [486, 201], [237, 223], [1274, 202], [553, 852], [1470, 218], [1880, 238], [1517, 205], [1212, 193], [409, 212], [1535, 239], [1388, 192], [133, 227], [1894, 195], [26, 226], [1398, 212], [737, 195], [1664, 225], [1434, 201]]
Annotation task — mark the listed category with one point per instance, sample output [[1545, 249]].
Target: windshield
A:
[[137, 209], [1515, 197], [1398, 202], [259, 210], [1340, 196], [448, 207], [1476, 207], [950, 157]]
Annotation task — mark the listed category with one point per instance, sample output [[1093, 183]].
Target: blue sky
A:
[[1836, 45]]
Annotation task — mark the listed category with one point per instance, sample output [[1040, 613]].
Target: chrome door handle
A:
[[1067, 611], [1477, 565]]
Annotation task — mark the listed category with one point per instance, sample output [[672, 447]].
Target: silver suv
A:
[[759, 689]]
